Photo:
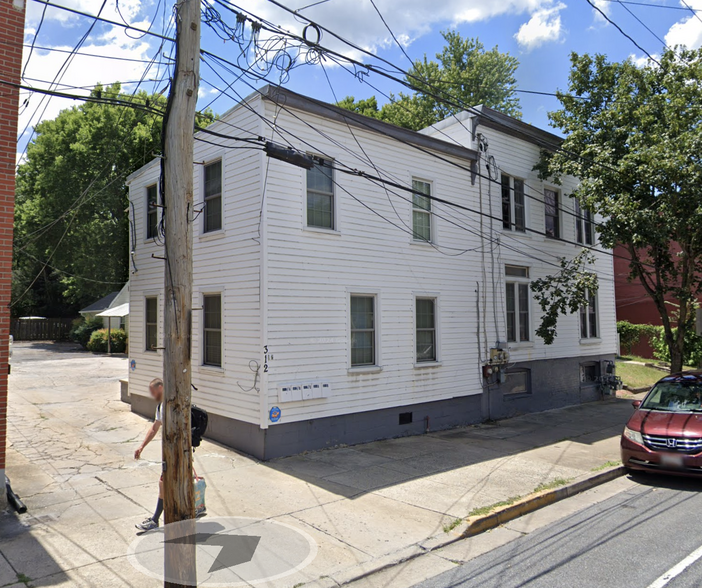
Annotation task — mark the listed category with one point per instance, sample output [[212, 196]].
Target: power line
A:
[[394, 38], [616, 26], [643, 24]]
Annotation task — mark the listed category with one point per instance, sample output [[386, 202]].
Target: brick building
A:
[[11, 39]]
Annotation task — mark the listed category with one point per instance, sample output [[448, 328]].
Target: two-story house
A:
[[363, 298]]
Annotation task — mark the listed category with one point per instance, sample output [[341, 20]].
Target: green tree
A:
[[71, 219], [633, 137], [465, 74]]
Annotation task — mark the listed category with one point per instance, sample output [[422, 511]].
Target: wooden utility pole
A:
[[177, 185]]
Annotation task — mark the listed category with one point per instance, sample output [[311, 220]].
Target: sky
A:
[[541, 34]]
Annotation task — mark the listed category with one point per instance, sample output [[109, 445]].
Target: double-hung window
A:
[[151, 212], [213, 197], [517, 303], [552, 214], [584, 226], [589, 328], [151, 323], [212, 329], [363, 331], [421, 211], [513, 207], [426, 329], [320, 195]]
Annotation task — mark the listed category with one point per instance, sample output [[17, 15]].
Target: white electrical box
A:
[[285, 393], [326, 389], [316, 390], [296, 392]]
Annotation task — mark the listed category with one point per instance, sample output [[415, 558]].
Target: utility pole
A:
[[177, 198]]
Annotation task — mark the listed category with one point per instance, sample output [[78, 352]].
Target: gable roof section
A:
[[101, 304], [286, 98], [509, 125]]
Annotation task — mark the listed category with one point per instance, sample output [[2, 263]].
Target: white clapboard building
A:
[[341, 305]]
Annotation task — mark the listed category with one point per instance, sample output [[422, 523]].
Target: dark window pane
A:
[[213, 197], [212, 320], [519, 209], [551, 209], [426, 345], [319, 178], [583, 322], [511, 313], [213, 214], [213, 179], [425, 313], [213, 348], [362, 330], [151, 212], [426, 329], [506, 203], [578, 222], [421, 225], [592, 316], [213, 312], [523, 312], [518, 382], [151, 322], [320, 211], [589, 228]]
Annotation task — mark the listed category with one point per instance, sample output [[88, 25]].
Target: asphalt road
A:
[[636, 539]]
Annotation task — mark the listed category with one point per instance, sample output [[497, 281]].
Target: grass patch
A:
[[634, 375], [485, 510], [24, 579], [557, 483], [452, 525], [605, 465]]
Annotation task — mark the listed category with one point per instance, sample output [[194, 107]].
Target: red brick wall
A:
[[11, 39]]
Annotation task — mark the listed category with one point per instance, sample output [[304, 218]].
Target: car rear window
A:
[[682, 394]]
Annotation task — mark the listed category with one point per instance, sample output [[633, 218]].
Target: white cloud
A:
[[544, 26], [687, 31], [408, 19]]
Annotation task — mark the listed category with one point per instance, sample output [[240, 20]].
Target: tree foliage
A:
[[465, 73], [633, 137], [71, 201]]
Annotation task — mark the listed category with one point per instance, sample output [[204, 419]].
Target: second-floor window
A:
[[320, 195], [584, 227], [151, 212], [513, 207], [421, 211], [588, 318], [552, 214], [213, 197], [517, 303]]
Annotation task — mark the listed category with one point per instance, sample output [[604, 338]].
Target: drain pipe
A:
[[14, 499]]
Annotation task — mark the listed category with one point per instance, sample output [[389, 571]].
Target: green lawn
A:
[[635, 375]]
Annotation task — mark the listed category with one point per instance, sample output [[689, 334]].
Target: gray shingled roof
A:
[[102, 304]]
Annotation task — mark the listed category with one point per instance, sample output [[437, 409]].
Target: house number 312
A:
[[267, 357]]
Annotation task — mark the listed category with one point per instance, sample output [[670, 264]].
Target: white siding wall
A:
[[225, 262], [311, 274]]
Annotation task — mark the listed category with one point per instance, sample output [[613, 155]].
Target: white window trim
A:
[[203, 235], [437, 330], [159, 310], [591, 340], [559, 200], [335, 230], [378, 366], [432, 216], [512, 230], [148, 239], [213, 291], [519, 280]]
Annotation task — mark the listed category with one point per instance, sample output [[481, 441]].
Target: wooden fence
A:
[[49, 329]]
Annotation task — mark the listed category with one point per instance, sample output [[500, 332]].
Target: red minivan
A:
[[665, 432]]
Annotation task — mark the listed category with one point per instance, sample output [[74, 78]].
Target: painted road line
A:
[[677, 569]]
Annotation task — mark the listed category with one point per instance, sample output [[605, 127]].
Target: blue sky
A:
[[540, 33]]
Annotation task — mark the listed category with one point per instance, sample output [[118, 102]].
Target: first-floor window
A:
[[517, 303], [588, 318], [151, 322], [212, 310], [426, 329], [362, 330]]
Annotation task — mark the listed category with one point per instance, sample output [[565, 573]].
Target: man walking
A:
[[156, 391]]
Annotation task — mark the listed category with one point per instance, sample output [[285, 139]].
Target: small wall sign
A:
[[275, 414], [132, 365]]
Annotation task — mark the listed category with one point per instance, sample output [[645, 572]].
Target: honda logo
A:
[[672, 443]]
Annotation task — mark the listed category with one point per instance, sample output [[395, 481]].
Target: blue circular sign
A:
[[275, 414], [132, 364]]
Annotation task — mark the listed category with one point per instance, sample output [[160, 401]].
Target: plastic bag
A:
[[199, 486]]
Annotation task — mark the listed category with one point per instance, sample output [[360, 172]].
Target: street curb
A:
[[480, 524], [471, 527]]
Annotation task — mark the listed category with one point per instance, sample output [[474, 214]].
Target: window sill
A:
[[426, 364], [366, 369], [516, 396], [211, 235], [517, 345], [212, 369], [591, 341], [321, 230], [150, 241], [515, 233], [421, 243]]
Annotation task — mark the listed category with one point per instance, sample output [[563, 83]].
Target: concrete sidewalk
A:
[[365, 506]]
